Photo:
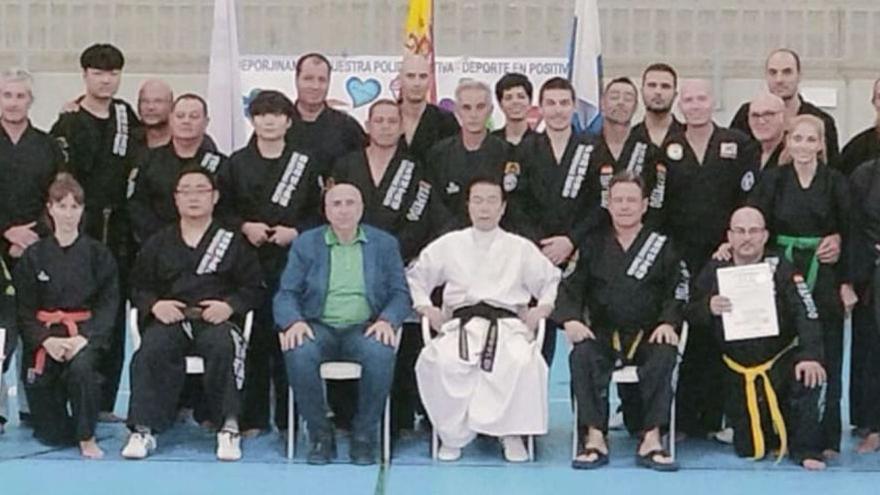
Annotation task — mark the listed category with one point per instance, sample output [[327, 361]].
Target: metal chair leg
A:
[[386, 433], [291, 425]]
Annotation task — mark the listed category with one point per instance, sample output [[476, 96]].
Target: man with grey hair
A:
[[29, 160], [453, 162], [767, 121]]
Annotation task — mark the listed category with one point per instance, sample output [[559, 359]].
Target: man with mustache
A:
[[659, 89]]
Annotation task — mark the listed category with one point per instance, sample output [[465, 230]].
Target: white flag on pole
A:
[[225, 102], [585, 64]]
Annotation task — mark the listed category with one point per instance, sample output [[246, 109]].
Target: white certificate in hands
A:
[[751, 293]]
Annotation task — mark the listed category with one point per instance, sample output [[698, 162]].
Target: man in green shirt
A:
[[342, 294]]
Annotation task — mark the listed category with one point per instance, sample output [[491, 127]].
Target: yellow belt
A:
[[750, 374], [618, 346]]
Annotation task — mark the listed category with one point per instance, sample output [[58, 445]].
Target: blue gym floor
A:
[[185, 464]]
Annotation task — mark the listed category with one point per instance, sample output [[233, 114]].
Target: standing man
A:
[[865, 145], [271, 187], [659, 89], [767, 121], [327, 131], [98, 141], [711, 169], [783, 74], [29, 160], [155, 100], [152, 204], [424, 124], [514, 94]]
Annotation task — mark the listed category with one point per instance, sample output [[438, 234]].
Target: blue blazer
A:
[[303, 288]]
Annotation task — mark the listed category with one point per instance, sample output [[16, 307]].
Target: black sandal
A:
[[600, 460], [647, 461]]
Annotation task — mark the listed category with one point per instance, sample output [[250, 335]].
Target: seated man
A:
[[484, 373], [788, 364], [341, 296], [188, 282], [633, 285]]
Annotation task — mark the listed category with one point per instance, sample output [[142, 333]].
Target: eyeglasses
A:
[[199, 191], [763, 115], [749, 231]]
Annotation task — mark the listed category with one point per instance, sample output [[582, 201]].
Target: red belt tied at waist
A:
[[67, 318]]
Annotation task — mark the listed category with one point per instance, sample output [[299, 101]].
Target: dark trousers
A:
[[265, 370], [701, 390], [405, 399], [592, 363], [76, 382], [865, 345], [832, 339], [341, 344], [158, 372], [799, 406]]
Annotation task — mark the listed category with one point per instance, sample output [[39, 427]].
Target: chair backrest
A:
[[2, 348]]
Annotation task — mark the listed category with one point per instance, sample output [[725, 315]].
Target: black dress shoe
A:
[[323, 449], [362, 453]]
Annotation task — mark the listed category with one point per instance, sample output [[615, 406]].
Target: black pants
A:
[[158, 371], [701, 385], [592, 363], [865, 344], [405, 399], [832, 333], [265, 369], [77, 382], [799, 406]]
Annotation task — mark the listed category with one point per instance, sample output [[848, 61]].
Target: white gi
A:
[[462, 399]]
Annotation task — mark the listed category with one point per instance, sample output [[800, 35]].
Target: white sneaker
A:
[[724, 436], [228, 445], [139, 445], [514, 449], [448, 454]]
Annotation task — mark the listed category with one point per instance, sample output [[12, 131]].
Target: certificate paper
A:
[[751, 293]]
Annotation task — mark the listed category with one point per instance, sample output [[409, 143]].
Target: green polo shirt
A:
[[346, 302]]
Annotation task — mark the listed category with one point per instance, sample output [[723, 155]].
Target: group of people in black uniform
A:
[[116, 204]]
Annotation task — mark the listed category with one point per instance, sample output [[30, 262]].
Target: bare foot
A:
[[593, 440], [830, 454], [813, 465], [90, 450], [871, 443]]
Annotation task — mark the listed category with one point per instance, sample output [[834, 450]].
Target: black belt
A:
[[491, 313]]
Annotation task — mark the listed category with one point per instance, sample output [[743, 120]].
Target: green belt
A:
[[790, 243]]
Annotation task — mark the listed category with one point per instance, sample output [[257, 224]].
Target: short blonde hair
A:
[[817, 124]]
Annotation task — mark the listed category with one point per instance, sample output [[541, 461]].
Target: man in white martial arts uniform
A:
[[488, 378]]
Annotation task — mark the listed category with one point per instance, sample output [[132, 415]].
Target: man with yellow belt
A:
[[775, 382]]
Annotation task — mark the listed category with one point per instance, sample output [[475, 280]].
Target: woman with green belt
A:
[[807, 208]]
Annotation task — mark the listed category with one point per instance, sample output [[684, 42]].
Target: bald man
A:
[[154, 106], [710, 171], [328, 309], [782, 72], [793, 374], [767, 121], [423, 123]]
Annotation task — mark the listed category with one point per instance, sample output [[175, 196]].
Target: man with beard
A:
[[154, 107], [659, 89], [783, 74], [767, 121], [424, 124], [514, 94], [326, 131]]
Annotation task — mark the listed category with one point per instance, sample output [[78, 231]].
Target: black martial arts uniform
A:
[[332, 135], [700, 197], [741, 122], [864, 389], [282, 191], [502, 133], [64, 292], [799, 339], [101, 155], [772, 160], [627, 294], [640, 131], [27, 167], [222, 267], [797, 219], [435, 125], [151, 206], [862, 147], [450, 168], [399, 205]]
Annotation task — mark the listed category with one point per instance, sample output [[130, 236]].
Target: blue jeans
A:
[[341, 344]]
